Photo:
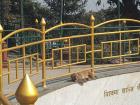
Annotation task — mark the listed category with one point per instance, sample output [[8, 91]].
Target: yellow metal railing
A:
[[120, 48], [42, 59], [70, 63], [24, 67]]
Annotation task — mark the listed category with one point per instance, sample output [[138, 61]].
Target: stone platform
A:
[[101, 73]]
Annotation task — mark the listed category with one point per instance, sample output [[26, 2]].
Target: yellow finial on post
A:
[[26, 93], [92, 18], [43, 22], [36, 21], [1, 28]]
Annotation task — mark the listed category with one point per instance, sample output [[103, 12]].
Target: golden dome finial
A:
[[26, 93], [92, 18], [36, 21], [43, 22], [1, 28]]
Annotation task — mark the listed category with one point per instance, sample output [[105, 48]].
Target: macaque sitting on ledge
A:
[[83, 76]]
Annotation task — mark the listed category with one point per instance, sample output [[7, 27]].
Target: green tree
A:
[[5, 7], [32, 10], [5, 11], [11, 12], [72, 11], [128, 8]]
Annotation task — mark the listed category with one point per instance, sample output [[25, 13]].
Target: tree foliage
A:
[[5, 9], [128, 8], [32, 10], [72, 10]]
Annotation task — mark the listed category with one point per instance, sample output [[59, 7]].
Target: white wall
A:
[[92, 92]]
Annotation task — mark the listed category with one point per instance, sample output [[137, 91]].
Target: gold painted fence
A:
[[71, 57]]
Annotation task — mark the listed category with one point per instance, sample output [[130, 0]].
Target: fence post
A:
[[1, 82], [92, 40], [43, 28]]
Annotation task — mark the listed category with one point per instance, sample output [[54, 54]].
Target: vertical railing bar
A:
[[69, 40], [77, 54], [24, 54], [16, 69], [61, 56], [120, 38], [111, 49], [138, 46], [8, 72], [102, 50], [85, 53], [52, 58], [129, 46], [37, 64], [31, 63]]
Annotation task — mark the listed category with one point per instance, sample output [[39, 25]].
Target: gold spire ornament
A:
[[36, 21], [1, 28], [26, 93], [92, 18], [43, 22]]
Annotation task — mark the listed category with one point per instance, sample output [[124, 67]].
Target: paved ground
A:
[[52, 85]]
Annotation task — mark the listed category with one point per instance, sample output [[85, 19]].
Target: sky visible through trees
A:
[[91, 5]]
